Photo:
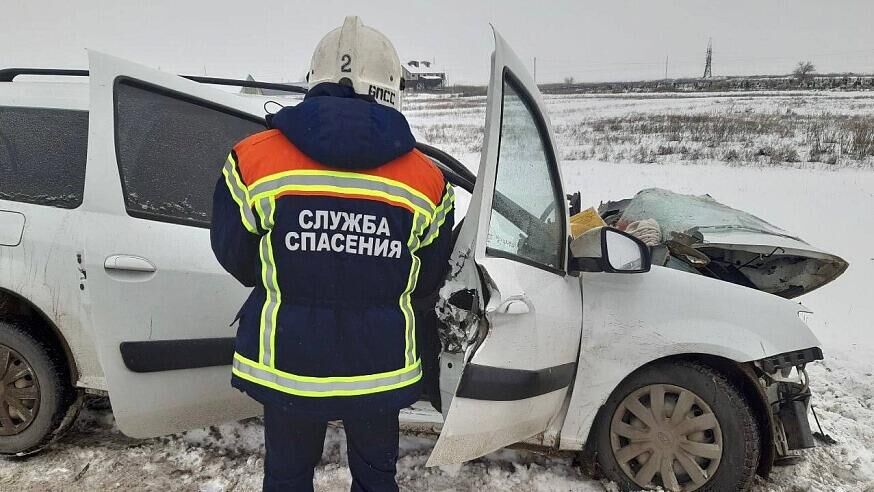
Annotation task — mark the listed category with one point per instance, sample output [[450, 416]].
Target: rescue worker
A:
[[337, 222]]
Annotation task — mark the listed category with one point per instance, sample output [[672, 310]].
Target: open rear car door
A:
[[509, 289], [160, 303]]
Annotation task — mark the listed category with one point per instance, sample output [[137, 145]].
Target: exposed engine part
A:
[[789, 398], [793, 404]]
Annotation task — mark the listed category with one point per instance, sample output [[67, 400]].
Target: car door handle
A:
[[515, 305], [128, 263]]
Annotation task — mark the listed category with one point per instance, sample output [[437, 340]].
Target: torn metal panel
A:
[[458, 305], [706, 237]]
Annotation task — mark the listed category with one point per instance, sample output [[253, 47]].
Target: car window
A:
[[170, 151], [42, 155], [527, 219]]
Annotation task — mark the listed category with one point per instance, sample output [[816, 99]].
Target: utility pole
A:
[[707, 69], [535, 69], [666, 67]]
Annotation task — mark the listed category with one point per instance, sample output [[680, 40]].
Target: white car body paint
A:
[[631, 320], [43, 266]]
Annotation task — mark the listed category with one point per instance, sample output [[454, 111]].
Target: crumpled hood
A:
[[740, 247], [341, 129]]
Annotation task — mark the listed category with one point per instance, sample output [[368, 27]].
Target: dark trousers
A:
[[295, 444]]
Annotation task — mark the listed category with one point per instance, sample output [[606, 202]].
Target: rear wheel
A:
[[35, 392], [680, 426]]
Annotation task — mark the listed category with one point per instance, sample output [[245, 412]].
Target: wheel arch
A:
[[742, 374], [17, 307]]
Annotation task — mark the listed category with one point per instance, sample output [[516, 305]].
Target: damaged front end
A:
[[699, 235], [785, 384]]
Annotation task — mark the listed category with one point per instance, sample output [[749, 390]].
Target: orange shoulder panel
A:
[[263, 154], [269, 152], [417, 171]]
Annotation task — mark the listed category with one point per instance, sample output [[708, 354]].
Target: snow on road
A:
[[830, 209], [96, 456]]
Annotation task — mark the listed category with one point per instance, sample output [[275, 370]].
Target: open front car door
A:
[[512, 313]]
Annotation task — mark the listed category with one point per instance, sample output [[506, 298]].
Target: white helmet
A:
[[361, 57]]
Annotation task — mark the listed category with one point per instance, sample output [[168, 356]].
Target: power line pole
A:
[[707, 69], [535, 69], [666, 67]]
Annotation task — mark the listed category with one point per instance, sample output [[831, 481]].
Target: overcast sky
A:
[[587, 40]]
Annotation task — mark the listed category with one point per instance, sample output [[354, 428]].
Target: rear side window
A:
[[170, 149], [42, 155]]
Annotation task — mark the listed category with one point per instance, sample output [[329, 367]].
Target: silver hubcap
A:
[[19, 392], [667, 436]]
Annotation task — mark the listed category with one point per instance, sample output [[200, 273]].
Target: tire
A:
[[718, 432], [33, 374]]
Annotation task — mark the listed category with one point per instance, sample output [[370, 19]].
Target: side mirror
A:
[[606, 249]]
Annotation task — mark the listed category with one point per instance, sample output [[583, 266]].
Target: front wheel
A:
[[678, 425]]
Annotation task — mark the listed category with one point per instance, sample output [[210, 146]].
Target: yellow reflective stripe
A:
[[354, 191], [273, 298], [405, 303], [278, 293], [325, 386], [439, 216], [419, 222], [240, 194], [265, 208], [341, 182], [342, 175], [410, 332]]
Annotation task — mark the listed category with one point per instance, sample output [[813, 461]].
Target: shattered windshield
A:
[[676, 212]]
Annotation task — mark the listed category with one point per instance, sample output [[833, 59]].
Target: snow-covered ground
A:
[[831, 207], [96, 456], [786, 129]]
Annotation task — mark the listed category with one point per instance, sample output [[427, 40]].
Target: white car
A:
[[108, 286]]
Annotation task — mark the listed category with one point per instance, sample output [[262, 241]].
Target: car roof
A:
[[75, 95], [45, 94]]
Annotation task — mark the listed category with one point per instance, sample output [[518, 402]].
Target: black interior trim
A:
[[791, 359], [172, 355], [457, 173], [500, 384], [499, 253], [9, 74]]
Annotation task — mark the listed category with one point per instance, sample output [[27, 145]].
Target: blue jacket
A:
[[337, 222]]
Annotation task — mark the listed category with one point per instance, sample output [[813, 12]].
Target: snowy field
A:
[[761, 129], [829, 205]]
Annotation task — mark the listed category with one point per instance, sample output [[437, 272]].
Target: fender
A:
[[632, 320], [43, 274]]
